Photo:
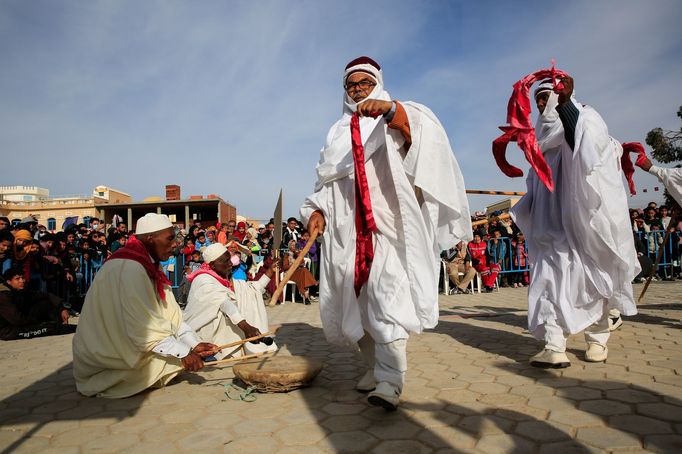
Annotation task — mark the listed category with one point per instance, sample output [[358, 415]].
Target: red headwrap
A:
[[237, 234], [364, 218], [521, 130], [135, 250]]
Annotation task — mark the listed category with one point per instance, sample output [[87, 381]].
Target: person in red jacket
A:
[[477, 251]]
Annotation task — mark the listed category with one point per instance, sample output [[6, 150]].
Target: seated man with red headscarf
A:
[[224, 310], [131, 335], [389, 197]]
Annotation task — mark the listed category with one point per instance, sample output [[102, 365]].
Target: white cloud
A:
[[235, 97]]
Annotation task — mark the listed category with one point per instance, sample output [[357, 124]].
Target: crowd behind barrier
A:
[[65, 263]]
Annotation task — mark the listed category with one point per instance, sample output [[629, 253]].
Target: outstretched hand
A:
[[644, 164], [566, 91], [374, 107], [205, 349]]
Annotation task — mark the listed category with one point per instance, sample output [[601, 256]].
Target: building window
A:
[[51, 224]]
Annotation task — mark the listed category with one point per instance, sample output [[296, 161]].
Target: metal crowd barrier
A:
[[651, 241]]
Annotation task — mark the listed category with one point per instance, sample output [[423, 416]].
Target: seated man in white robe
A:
[[130, 334], [578, 236], [223, 310], [671, 178], [387, 206]]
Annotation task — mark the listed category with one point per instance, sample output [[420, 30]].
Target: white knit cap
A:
[[152, 222], [212, 252]]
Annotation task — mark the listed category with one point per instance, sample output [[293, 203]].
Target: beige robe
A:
[[123, 318], [203, 313]]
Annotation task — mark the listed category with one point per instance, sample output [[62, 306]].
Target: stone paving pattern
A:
[[469, 389]]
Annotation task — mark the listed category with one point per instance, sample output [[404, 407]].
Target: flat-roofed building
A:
[[18, 202], [207, 210]]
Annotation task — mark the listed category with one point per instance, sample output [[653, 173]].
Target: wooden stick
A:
[[276, 273], [659, 256], [237, 358], [476, 191], [294, 266], [248, 339], [485, 221]]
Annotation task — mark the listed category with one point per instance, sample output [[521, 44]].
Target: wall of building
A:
[[56, 209], [23, 193], [111, 195], [227, 212], [503, 205]]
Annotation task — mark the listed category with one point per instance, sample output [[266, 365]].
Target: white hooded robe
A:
[[401, 295], [580, 243]]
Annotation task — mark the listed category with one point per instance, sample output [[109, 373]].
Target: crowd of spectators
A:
[[499, 255], [57, 267], [650, 226]]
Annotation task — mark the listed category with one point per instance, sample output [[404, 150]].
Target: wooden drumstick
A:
[[248, 339], [236, 358], [294, 266]]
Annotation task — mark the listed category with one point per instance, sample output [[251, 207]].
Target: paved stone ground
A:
[[469, 389]]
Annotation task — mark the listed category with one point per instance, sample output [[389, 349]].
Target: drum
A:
[[277, 374]]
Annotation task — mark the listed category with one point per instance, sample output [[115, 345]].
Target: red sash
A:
[[135, 250], [364, 218]]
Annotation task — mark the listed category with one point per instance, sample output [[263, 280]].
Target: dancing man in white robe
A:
[[419, 207], [579, 238], [130, 334], [223, 310]]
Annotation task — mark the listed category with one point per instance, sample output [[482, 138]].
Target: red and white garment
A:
[[579, 237], [401, 291]]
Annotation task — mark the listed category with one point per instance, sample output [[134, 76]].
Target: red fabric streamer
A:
[[521, 130], [206, 269], [626, 162], [135, 250], [364, 218]]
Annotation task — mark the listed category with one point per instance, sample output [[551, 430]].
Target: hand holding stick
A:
[[234, 359], [272, 331]]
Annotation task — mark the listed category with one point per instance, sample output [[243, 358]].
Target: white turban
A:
[[545, 85], [212, 252], [152, 222], [368, 66]]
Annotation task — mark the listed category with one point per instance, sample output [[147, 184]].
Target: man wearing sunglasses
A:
[[388, 200]]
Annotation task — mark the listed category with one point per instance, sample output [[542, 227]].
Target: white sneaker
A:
[[549, 359], [367, 383], [596, 353], [385, 395], [615, 322]]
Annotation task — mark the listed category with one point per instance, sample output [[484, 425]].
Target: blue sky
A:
[[236, 97]]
